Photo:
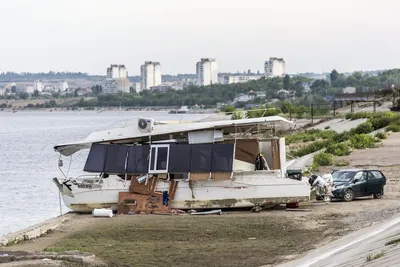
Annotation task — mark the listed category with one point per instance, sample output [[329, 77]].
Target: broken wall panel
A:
[[247, 150], [222, 158], [96, 159], [179, 158], [201, 157], [115, 158], [138, 159]]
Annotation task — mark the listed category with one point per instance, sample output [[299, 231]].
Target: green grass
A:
[[393, 242], [371, 257], [180, 241]]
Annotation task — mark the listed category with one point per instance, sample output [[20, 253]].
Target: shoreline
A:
[[35, 231]]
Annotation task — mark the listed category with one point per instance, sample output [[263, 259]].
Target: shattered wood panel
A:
[[247, 150], [199, 176], [173, 186], [221, 176], [135, 187], [136, 203], [214, 176], [276, 162], [144, 189]]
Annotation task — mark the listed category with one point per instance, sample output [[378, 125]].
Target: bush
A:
[[323, 159], [362, 128], [361, 141], [393, 127], [237, 115], [229, 109], [358, 115], [309, 135], [341, 163], [339, 149], [341, 137], [381, 135], [313, 147], [381, 120]]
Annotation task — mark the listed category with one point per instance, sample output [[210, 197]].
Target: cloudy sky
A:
[[88, 35]]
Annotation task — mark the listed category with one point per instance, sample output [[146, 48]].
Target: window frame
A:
[[154, 158]]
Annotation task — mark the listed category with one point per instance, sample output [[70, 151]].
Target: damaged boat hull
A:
[[247, 189], [91, 196]]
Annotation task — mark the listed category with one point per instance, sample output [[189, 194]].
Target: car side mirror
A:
[[356, 180]]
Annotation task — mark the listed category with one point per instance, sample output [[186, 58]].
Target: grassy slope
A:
[[192, 241]]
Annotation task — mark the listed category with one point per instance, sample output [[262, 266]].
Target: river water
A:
[[28, 161]]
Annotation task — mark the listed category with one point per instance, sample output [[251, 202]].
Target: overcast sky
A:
[[89, 35]]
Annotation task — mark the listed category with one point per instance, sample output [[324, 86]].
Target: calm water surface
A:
[[28, 162]]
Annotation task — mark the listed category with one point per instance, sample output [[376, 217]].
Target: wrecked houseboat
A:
[[201, 165]]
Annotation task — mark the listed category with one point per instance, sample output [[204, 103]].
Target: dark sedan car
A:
[[353, 183]]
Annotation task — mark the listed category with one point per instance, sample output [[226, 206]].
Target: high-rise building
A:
[[150, 74], [63, 86], [116, 80], [38, 86], [117, 72], [275, 67], [206, 71]]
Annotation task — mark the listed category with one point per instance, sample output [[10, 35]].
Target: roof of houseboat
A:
[[161, 132]]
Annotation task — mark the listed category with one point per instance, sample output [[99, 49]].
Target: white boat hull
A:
[[88, 198], [244, 190]]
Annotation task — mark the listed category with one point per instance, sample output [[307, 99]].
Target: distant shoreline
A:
[[108, 109]]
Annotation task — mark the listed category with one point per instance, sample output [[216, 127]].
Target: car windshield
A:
[[343, 176]]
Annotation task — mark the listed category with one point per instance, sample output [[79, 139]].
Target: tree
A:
[[23, 95], [334, 76], [36, 93], [13, 89], [286, 82], [319, 85]]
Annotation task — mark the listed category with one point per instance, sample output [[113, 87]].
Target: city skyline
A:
[[88, 35]]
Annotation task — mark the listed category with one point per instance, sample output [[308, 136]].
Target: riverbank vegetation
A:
[[342, 144]]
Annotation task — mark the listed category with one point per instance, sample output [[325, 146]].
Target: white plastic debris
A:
[[103, 213], [207, 212]]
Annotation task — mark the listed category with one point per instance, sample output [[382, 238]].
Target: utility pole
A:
[[312, 113]]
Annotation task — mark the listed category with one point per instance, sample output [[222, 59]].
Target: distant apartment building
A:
[[117, 72], [29, 89], [116, 80], [229, 79], [207, 71], [136, 87], [38, 86], [274, 67], [63, 86], [150, 74]]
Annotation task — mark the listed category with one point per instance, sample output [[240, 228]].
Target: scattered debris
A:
[[252, 238], [306, 210], [256, 209], [103, 213], [207, 212]]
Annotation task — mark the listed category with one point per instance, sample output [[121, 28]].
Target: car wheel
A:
[[348, 195], [379, 195]]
